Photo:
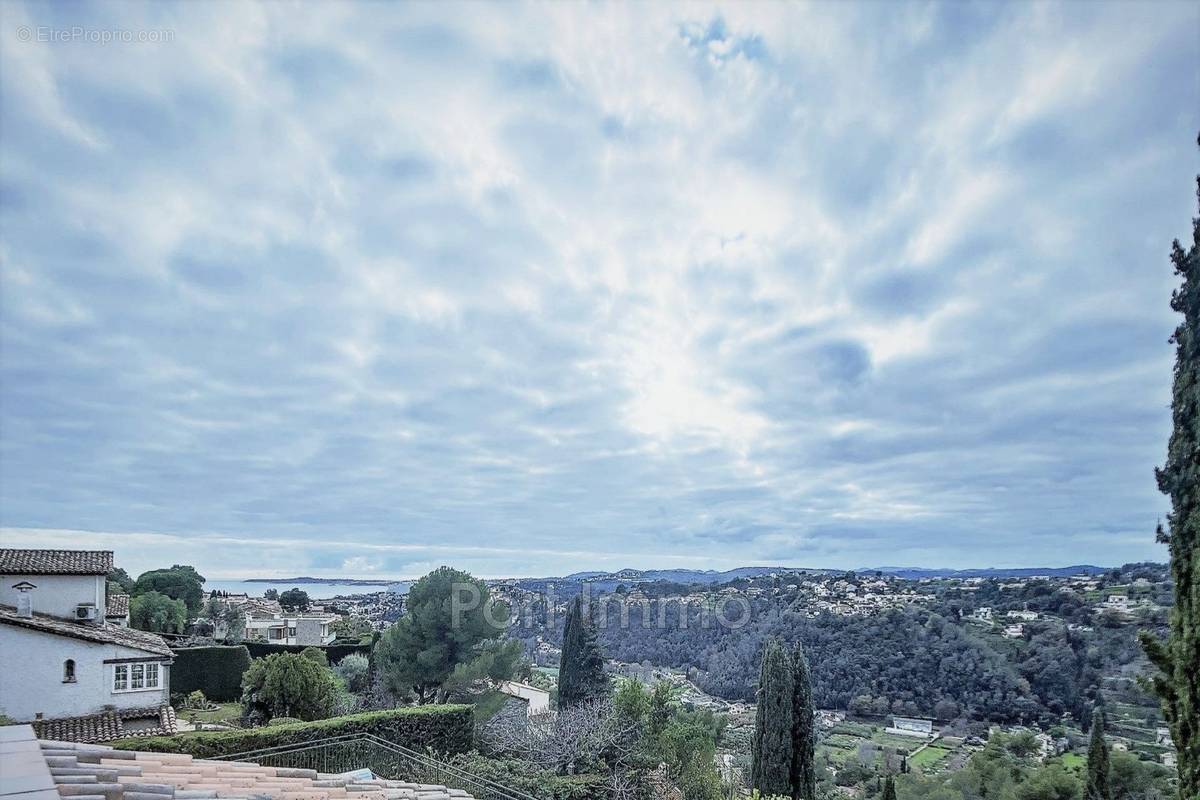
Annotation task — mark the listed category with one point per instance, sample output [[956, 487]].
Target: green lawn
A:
[[929, 756]]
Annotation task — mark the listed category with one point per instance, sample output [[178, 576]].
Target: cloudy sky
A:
[[352, 290]]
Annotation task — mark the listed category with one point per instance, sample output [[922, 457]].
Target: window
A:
[[291, 631], [69, 671], [136, 677]]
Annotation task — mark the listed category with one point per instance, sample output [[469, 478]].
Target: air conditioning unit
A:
[[85, 612]]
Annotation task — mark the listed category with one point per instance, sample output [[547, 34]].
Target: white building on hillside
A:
[[906, 726], [63, 665]]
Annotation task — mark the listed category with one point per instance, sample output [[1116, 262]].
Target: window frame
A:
[[69, 671], [137, 676]]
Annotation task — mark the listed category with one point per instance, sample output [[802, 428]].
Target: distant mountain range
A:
[[688, 576], [914, 573]]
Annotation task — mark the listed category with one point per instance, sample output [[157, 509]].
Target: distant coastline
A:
[[326, 581]]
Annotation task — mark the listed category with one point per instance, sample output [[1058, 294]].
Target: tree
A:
[[355, 671], [271, 594], [287, 685], [771, 747], [180, 582], [804, 738], [449, 614], [1097, 762], [1179, 682], [350, 628], [581, 675], [294, 599], [157, 613], [235, 624], [119, 581], [889, 788]]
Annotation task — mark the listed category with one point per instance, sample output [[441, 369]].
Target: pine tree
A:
[[804, 740], [889, 789], [771, 748], [1179, 682], [1097, 762], [581, 672]]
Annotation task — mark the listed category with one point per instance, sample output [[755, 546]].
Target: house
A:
[[537, 700], [1015, 631], [983, 614], [63, 665], [1162, 737], [905, 726], [283, 628], [1025, 615]]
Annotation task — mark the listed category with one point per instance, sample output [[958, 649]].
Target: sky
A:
[[360, 290]]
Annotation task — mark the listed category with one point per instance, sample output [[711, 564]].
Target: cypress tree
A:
[[1178, 683], [804, 740], [1097, 762], [581, 672], [771, 748], [889, 789]]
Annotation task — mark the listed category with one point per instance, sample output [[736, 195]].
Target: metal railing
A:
[[352, 751]]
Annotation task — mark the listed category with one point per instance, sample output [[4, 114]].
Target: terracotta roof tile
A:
[[117, 605], [107, 725], [55, 562], [105, 634]]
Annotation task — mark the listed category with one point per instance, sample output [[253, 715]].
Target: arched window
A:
[[69, 671]]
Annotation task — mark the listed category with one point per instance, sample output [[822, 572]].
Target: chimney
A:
[[25, 599]]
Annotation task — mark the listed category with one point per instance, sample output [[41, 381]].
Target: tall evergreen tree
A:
[[804, 739], [581, 672], [1097, 762], [889, 788], [771, 748], [1178, 658]]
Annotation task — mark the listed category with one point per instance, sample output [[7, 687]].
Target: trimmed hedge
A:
[[216, 671], [333, 652], [445, 729]]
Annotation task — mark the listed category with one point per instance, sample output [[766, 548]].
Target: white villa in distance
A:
[[68, 663]]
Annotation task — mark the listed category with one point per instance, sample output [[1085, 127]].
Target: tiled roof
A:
[[55, 562], [97, 771], [108, 725], [105, 634], [117, 605]]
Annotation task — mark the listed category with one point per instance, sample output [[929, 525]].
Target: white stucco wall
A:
[[57, 595], [31, 671]]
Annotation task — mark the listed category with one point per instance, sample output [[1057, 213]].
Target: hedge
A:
[[216, 671], [447, 729], [333, 652]]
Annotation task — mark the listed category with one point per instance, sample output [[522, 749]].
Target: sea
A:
[[315, 591]]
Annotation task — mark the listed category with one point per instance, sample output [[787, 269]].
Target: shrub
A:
[[354, 670], [288, 685], [216, 671], [528, 778], [443, 729]]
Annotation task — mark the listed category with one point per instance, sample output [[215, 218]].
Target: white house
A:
[[906, 726], [300, 628], [1015, 631], [1025, 615], [538, 700], [63, 665]]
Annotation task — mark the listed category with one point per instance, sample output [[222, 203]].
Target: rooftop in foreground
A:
[[49, 770]]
